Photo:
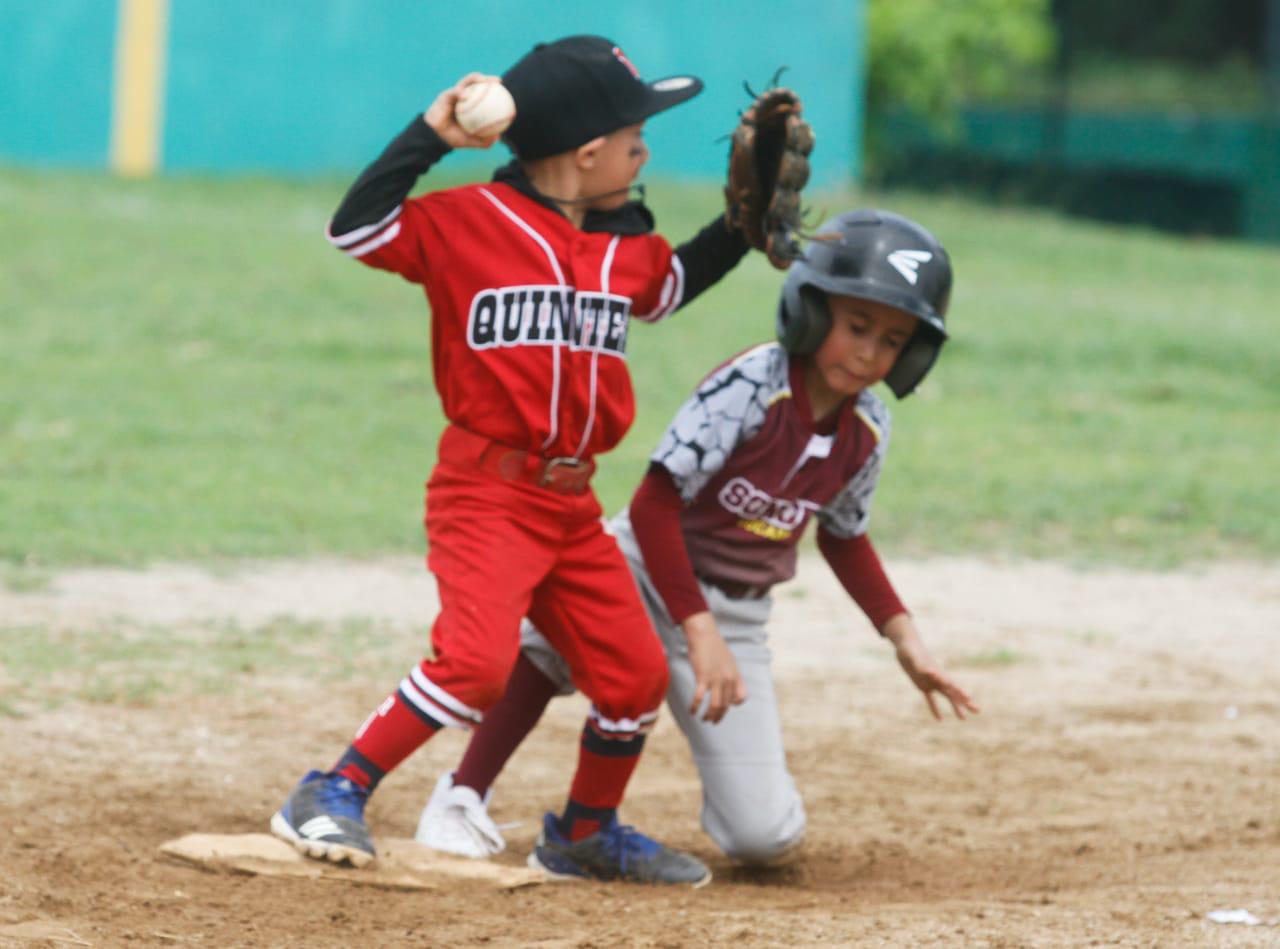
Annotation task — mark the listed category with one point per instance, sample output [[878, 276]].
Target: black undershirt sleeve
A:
[[383, 186], [712, 253]]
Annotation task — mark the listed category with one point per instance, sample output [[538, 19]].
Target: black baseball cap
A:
[[578, 88]]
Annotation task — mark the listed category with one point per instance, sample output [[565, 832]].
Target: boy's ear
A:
[[586, 154]]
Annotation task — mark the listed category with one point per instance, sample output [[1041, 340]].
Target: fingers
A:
[[472, 78], [961, 701], [719, 703], [721, 695], [962, 704], [700, 690], [716, 705], [440, 114], [933, 704]]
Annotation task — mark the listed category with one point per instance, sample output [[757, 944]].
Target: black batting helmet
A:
[[871, 255]]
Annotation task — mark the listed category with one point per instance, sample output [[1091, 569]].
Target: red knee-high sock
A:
[[604, 768], [505, 726], [392, 732]]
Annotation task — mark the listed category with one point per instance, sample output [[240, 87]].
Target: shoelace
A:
[[623, 840], [343, 798]]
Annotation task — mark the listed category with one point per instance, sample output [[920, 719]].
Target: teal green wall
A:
[[315, 86], [55, 81]]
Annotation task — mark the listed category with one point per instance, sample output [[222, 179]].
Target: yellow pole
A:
[[136, 119]]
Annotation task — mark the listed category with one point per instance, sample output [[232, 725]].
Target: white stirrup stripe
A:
[[428, 707], [554, 422], [624, 726], [441, 697], [360, 233], [386, 237]]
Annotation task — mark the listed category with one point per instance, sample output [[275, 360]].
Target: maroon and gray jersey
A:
[[746, 458]]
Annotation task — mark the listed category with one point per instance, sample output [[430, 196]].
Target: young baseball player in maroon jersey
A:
[[780, 433], [532, 279]]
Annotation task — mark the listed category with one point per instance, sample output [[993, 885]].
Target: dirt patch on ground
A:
[[1121, 782]]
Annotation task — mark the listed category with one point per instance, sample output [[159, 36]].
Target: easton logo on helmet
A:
[[907, 263]]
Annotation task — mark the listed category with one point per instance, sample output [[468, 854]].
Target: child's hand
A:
[[440, 115], [715, 671], [923, 671]]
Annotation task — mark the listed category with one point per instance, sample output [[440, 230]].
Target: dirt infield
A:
[[1122, 781]]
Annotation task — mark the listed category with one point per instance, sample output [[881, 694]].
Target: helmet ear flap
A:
[[804, 319], [914, 362]]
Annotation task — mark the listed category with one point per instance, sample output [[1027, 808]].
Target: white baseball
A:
[[485, 109]]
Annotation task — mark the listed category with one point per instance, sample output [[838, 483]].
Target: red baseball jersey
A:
[[529, 314]]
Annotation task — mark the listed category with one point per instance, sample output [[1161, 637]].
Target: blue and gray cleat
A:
[[615, 852], [324, 818]]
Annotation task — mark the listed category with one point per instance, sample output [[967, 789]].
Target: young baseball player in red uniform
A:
[[780, 433], [532, 279]]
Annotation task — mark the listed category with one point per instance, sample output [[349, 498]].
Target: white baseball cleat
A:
[[457, 821]]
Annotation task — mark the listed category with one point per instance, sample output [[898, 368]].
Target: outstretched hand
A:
[[924, 672], [441, 118], [715, 671]]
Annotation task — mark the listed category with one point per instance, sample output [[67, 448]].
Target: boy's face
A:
[[864, 341], [616, 164]]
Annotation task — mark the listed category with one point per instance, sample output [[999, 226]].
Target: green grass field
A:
[[191, 372]]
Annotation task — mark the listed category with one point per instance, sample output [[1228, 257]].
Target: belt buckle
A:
[[565, 475]]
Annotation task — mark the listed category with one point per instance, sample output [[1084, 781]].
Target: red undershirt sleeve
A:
[[855, 562], [655, 520]]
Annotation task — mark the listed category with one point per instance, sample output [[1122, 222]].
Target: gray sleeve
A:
[[725, 410], [849, 513]]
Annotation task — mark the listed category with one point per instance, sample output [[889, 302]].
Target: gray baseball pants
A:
[[750, 806]]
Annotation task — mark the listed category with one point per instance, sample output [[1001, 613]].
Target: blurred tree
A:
[[931, 55]]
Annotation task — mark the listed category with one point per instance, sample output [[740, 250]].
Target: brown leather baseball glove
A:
[[768, 168]]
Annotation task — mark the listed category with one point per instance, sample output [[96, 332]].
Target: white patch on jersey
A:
[[907, 263], [819, 446]]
